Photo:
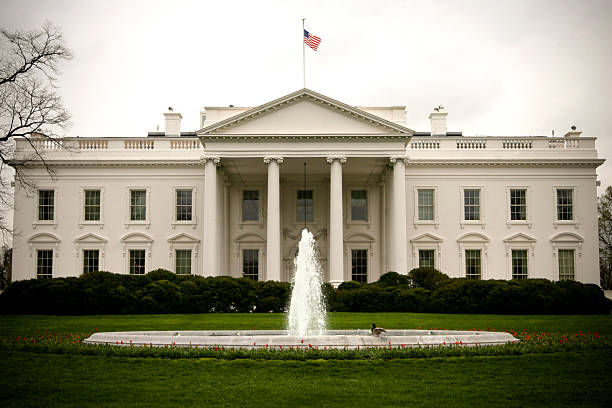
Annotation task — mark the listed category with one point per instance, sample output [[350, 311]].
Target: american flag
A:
[[311, 40]]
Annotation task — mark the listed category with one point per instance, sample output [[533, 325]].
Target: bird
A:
[[377, 330]]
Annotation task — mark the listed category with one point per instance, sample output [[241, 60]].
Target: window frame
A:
[[83, 259], [527, 262], [128, 218], [175, 221], [184, 241], [129, 261], [349, 201], [574, 262], [260, 276], [416, 221], [261, 211], [82, 221], [426, 241], [556, 222], [465, 263], [567, 240], [36, 266], [36, 222], [316, 211], [474, 241], [176, 258], [482, 222], [432, 250], [367, 263], [528, 200]]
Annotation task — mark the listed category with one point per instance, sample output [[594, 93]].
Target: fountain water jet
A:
[[307, 307]]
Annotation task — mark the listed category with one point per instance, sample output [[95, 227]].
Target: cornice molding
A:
[[507, 163], [331, 137], [118, 163]]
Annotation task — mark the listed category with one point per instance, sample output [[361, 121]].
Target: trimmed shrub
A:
[[161, 291], [427, 278]]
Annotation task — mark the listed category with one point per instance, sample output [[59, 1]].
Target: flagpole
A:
[[303, 53]]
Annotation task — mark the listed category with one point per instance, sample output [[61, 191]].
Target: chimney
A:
[[573, 132], [173, 123], [438, 121]]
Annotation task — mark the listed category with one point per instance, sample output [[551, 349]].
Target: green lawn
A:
[[559, 379]]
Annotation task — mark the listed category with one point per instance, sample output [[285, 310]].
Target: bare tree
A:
[[29, 105], [604, 208]]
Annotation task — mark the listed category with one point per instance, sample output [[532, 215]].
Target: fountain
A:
[[305, 324]]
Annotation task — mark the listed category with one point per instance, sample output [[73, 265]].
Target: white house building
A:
[[232, 198]]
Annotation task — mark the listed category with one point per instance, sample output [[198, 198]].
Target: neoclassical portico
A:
[[353, 156]]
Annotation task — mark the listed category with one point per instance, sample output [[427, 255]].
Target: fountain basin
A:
[[276, 339]]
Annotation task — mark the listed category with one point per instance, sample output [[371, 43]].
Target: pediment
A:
[[136, 237], [360, 237], [90, 239], [473, 237], [44, 238], [426, 237], [250, 237], [305, 112], [566, 237], [183, 238], [519, 237]]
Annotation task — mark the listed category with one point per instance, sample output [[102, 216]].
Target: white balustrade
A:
[[469, 144], [184, 144], [425, 144], [93, 144], [517, 144], [139, 144]]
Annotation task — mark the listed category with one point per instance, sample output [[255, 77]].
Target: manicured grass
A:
[[575, 378], [26, 325], [559, 380]]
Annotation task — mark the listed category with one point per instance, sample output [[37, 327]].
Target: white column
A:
[[212, 251], [336, 236], [399, 260], [273, 240]]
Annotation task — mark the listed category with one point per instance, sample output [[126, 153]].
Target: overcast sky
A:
[[500, 67]]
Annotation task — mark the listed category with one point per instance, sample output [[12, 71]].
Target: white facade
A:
[[231, 199]]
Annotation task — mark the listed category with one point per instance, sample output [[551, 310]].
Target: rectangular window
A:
[[426, 205], [472, 264], [92, 205], [426, 258], [183, 262], [519, 264], [304, 206], [565, 205], [137, 261], [518, 205], [44, 264], [138, 205], [46, 203], [359, 265], [250, 264], [566, 264], [183, 205], [91, 260], [471, 205], [250, 205], [359, 205]]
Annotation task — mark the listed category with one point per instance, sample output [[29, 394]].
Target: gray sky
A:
[[500, 67]]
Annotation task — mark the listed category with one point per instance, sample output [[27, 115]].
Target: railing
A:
[[471, 144], [185, 144], [501, 143], [517, 144], [93, 144], [425, 144], [139, 144]]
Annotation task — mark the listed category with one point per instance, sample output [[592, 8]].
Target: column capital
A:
[[269, 159], [341, 159], [395, 159], [214, 159]]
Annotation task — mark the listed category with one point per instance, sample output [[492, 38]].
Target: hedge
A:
[[422, 290]]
